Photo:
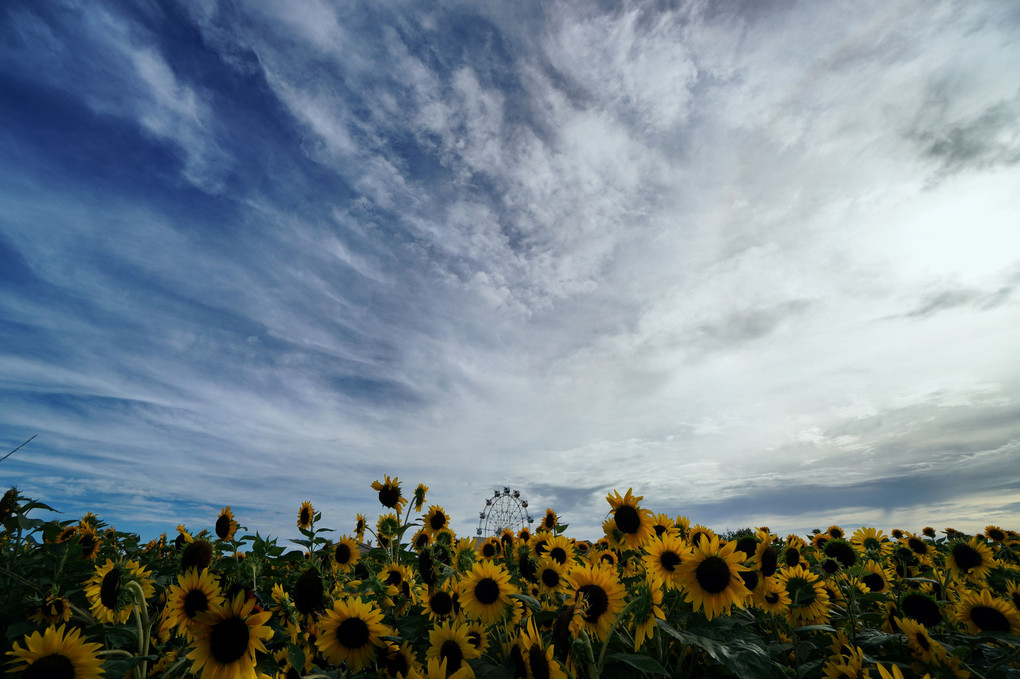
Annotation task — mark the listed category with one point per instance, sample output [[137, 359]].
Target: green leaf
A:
[[296, 658], [740, 655], [642, 663], [531, 601]]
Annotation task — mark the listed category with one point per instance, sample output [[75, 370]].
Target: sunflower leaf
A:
[[531, 601], [743, 656], [642, 663], [296, 657]]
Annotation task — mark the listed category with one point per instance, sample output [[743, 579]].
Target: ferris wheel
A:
[[504, 509]]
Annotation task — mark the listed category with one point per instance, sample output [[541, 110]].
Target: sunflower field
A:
[[656, 596]]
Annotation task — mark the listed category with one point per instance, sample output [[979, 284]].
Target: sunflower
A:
[[419, 496], [397, 661], [537, 655], [109, 598], [436, 520], [551, 577], [633, 523], [57, 653], [840, 550], [524, 535], [1013, 591], [895, 673], [921, 645], [420, 540], [710, 576], [225, 525], [89, 541], [477, 636], [53, 610], [440, 669], [389, 493], [65, 534], [985, 613], [809, 602], [772, 597], [485, 592], [995, 534], [663, 557], [646, 613], [818, 540], [969, 560], [847, 665], [305, 515], [766, 557], [439, 603], [549, 521], [597, 597], [696, 532], [876, 578], [662, 524], [449, 644], [195, 593], [345, 554], [917, 545], [360, 524], [490, 549], [226, 639], [350, 632], [198, 554], [560, 549], [309, 593], [921, 607]]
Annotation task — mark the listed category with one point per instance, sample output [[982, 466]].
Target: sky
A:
[[758, 261]]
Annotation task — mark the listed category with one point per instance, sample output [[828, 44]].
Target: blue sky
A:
[[758, 261]]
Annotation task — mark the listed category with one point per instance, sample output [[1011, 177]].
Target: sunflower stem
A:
[[142, 623], [609, 636]]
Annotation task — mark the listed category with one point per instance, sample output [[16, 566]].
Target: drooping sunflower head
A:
[[840, 550], [66, 533], [8, 503], [111, 600], [360, 524], [56, 653], [419, 496], [89, 541], [198, 554], [928, 532], [225, 525], [306, 515], [389, 493], [309, 595]]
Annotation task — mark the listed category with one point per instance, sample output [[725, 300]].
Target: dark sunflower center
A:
[[922, 641], [607, 558], [996, 534], [53, 666], [228, 640], [394, 578], [835, 532], [437, 521], [198, 554], [792, 556], [830, 566], [474, 638], [541, 547], [352, 633], [396, 665], [747, 545], [549, 521], [306, 516], [922, 609], [488, 550], [713, 574], [750, 579], [874, 581], [389, 496], [966, 557], [487, 591], [918, 546], [527, 567], [669, 560], [87, 543], [309, 595], [223, 526], [538, 663], [451, 651], [598, 602], [441, 603], [769, 561], [772, 597], [195, 602], [659, 530], [558, 554], [550, 578], [110, 589], [342, 554], [989, 619], [627, 519]]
